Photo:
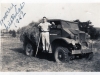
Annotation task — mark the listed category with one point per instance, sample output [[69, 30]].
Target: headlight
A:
[[76, 37], [89, 36], [90, 41], [73, 42]]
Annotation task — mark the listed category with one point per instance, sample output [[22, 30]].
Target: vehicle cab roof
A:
[[62, 20]]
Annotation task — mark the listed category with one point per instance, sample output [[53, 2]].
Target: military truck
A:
[[66, 42]]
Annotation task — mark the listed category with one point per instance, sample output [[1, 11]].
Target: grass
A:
[[13, 59]]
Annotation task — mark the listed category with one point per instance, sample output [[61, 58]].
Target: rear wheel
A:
[[61, 54], [29, 50]]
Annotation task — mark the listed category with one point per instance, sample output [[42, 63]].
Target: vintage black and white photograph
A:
[[50, 37]]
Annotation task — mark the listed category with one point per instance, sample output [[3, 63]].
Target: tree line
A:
[[88, 28]]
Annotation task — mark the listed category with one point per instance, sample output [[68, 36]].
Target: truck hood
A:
[[75, 31]]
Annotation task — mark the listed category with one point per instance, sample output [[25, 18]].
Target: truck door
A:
[[55, 30]]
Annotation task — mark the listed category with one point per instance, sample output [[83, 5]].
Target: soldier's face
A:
[[44, 20]]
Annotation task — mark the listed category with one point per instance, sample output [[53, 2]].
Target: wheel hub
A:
[[60, 56], [29, 49]]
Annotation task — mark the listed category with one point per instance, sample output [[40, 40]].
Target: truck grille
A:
[[82, 37]]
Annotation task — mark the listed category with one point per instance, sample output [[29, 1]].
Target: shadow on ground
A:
[[40, 55]]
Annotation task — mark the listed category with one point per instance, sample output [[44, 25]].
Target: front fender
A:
[[67, 40]]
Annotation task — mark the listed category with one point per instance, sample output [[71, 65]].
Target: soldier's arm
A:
[[53, 25], [39, 26]]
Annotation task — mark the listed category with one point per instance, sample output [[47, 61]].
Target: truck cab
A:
[[66, 35]]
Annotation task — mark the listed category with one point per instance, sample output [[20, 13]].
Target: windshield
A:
[[70, 25]]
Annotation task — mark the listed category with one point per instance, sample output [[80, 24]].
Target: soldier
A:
[[45, 33]]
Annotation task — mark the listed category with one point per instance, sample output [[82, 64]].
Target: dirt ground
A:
[[13, 59]]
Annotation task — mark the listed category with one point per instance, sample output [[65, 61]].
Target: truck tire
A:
[[61, 55], [29, 50]]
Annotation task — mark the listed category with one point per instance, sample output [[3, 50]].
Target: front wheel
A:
[[61, 54], [29, 50]]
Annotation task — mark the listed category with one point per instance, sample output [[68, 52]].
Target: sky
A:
[[65, 11]]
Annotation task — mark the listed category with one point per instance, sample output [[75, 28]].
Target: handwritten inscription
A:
[[15, 16]]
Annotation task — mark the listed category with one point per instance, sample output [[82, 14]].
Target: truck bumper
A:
[[82, 51]]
